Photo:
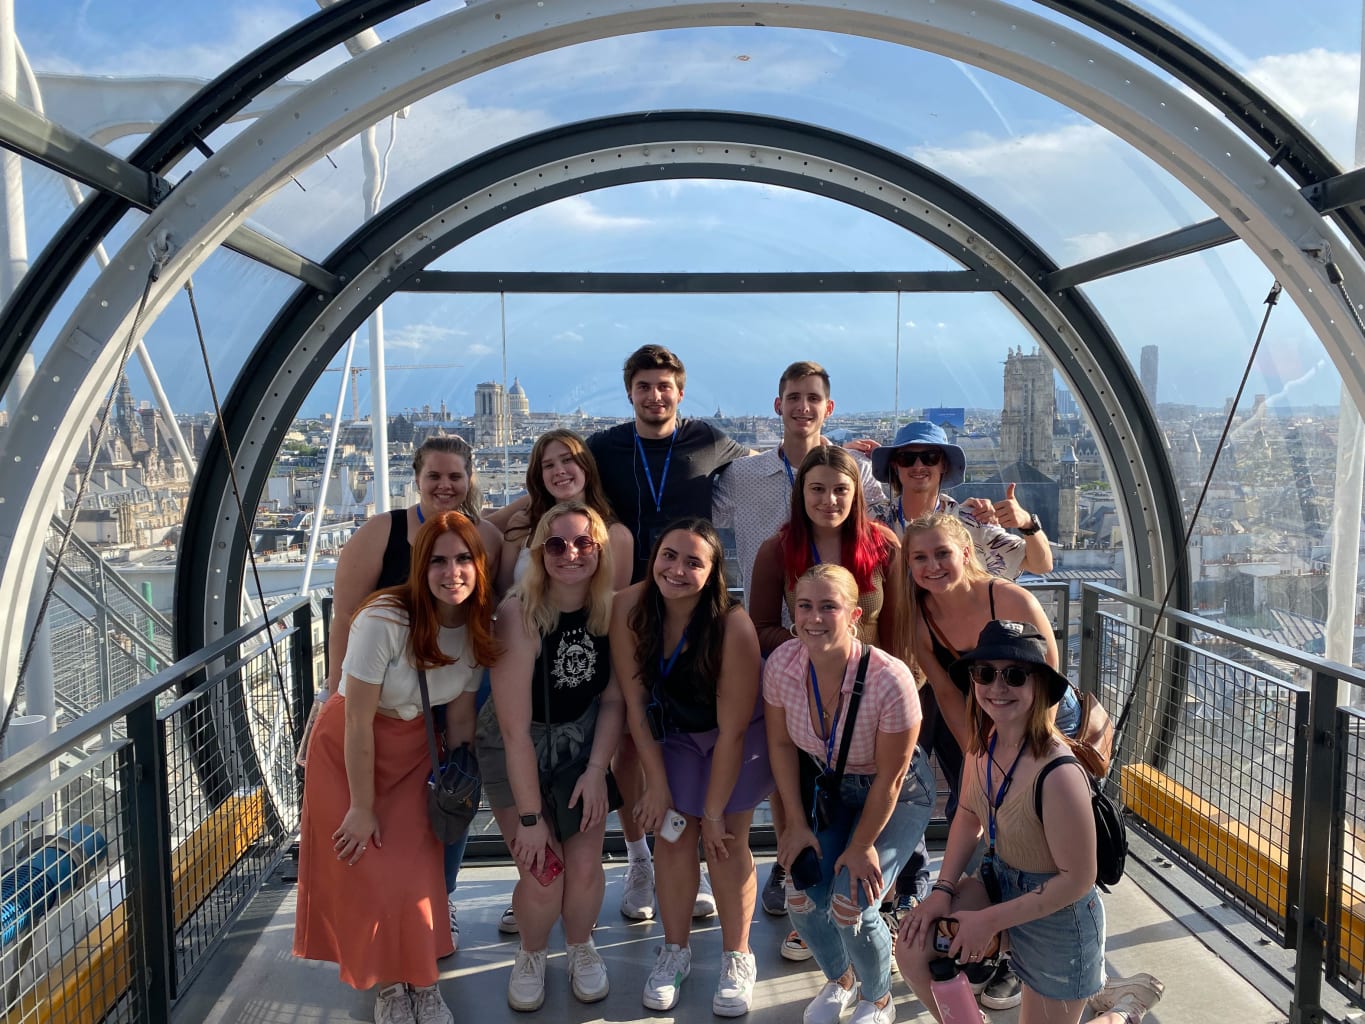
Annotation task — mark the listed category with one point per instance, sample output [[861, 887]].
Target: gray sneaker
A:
[[393, 1005], [428, 1006], [735, 989], [587, 972], [526, 986], [664, 984], [637, 901]]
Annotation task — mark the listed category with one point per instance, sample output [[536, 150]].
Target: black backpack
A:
[[1111, 839]]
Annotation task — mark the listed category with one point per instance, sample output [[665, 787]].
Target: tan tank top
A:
[[1019, 838]]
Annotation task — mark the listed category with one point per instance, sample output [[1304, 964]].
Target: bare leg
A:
[[537, 906], [914, 960], [1034, 1009], [734, 884], [630, 777], [676, 877], [584, 883]]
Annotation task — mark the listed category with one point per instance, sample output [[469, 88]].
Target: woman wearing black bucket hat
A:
[[1036, 884]]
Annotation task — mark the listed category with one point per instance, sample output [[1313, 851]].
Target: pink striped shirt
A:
[[890, 702]]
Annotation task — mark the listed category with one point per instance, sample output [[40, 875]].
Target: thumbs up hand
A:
[[1009, 512]]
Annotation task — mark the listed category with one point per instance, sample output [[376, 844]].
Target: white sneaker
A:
[[794, 948], [393, 1006], [428, 1006], [664, 984], [867, 1012], [706, 899], [507, 924], [454, 924], [735, 989], [637, 901], [1138, 995], [526, 986], [587, 972], [830, 1003]]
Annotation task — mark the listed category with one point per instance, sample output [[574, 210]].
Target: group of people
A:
[[619, 672]]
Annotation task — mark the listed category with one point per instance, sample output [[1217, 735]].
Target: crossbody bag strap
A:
[[854, 699], [551, 746], [1056, 762], [938, 633], [431, 724]]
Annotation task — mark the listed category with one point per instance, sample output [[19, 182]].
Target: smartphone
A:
[[805, 869], [551, 867]]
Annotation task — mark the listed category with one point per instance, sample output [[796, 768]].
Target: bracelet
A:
[[600, 767], [709, 817], [942, 886]]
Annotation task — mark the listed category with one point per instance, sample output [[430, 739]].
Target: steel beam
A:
[[697, 283]]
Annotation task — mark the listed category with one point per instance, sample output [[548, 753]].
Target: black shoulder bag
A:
[[1111, 841], [453, 792], [827, 806]]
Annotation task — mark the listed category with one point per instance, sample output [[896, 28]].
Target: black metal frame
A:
[[262, 381]]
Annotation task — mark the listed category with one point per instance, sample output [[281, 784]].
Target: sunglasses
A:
[[906, 458], [558, 546], [984, 675]]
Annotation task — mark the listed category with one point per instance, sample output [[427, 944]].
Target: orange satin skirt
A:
[[384, 918]]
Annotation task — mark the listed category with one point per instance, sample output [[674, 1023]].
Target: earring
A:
[[792, 630], [853, 630]]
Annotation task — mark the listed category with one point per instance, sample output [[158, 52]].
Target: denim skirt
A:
[[1060, 956]]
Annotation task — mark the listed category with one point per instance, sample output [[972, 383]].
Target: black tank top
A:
[[393, 570], [944, 654], [574, 664], [690, 695]]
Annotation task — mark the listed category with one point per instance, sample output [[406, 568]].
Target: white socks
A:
[[638, 849]]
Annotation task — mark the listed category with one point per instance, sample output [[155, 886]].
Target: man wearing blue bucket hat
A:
[[920, 464]]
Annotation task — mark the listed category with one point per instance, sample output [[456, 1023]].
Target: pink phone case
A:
[[550, 868]]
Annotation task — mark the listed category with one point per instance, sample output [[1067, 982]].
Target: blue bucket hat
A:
[[925, 433]]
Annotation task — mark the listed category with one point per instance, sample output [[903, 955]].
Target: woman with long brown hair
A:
[[370, 879]]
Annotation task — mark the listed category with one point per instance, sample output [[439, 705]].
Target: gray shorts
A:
[[571, 741]]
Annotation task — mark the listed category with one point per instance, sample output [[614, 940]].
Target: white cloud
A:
[[415, 336], [579, 213], [1096, 243], [479, 349], [1319, 88], [568, 337]]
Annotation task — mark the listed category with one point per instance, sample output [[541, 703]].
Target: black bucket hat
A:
[[1011, 641]]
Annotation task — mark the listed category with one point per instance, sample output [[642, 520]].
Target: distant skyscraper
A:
[[1147, 370], [490, 415], [1029, 410]]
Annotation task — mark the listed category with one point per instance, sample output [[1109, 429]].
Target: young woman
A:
[[370, 886], [887, 789], [688, 660], [377, 556], [555, 706], [1042, 869], [828, 524], [562, 469]]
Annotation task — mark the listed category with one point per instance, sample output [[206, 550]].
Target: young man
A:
[[753, 497], [656, 468]]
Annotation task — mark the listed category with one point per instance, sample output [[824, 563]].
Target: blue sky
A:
[[1074, 188]]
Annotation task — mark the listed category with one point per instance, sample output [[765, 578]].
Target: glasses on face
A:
[[905, 458], [1013, 675], [558, 546]]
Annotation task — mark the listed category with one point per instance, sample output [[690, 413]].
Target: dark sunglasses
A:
[[984, 675], [905, 458], [558, 546]]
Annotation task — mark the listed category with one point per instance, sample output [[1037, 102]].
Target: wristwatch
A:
[[528, 820], [1034, 526]]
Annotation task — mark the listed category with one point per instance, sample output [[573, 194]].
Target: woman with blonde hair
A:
[[551, 725], [848, 713], [370, 885]]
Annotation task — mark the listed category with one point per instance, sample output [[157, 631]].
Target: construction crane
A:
[[356, 371]]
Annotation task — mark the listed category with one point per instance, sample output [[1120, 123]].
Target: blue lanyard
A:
[[900, 513], [994, 800], [657, 495], [820, 710], [791, 477], [665, 667], [420, 518]]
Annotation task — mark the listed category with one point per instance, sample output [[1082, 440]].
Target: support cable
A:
[[161, 252], [237, 494], [1182, 556]]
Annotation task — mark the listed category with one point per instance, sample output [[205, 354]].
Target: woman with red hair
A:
[[828, 524], [370, 881]]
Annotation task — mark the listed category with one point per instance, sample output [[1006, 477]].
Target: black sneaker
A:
[[1002, 991], [979, 975], [774, 895]]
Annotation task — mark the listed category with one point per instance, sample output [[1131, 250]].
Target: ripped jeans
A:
[[838, 932]]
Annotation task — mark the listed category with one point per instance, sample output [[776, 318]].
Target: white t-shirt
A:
[[377, 654]]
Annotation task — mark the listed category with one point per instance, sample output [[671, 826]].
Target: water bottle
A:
[[953, 993]]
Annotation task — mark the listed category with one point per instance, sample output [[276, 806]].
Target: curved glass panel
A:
[[1259, 548], [1051, 172]]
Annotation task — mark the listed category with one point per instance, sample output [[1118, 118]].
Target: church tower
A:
[[1067, 499], [1030, 406]]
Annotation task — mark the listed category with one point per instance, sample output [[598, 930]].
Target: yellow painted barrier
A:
[[94, 975]]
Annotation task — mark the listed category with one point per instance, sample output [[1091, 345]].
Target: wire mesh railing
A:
[[122, 873], [1238, 763]]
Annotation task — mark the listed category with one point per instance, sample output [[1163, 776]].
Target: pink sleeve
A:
[[900, 709]]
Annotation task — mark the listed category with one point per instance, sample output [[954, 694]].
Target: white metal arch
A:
[[1205, 154]]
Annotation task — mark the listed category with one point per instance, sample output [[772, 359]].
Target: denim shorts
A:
[[1060, 956]]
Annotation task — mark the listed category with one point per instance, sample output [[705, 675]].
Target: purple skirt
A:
[[687, 763]]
